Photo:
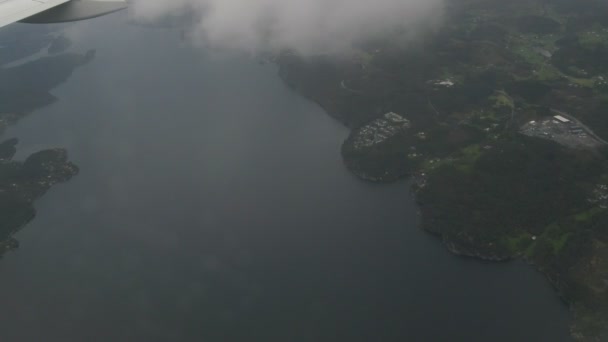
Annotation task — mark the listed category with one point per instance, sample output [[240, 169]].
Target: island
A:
[[21, 183], [500, 118], [24, 89]]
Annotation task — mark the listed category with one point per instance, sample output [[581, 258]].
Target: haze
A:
[[308, 26]]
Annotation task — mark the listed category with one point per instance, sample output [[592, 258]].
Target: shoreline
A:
[[417, 176]]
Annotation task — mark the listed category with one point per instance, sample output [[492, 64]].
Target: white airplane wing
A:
[[15, 10], [55, 11]]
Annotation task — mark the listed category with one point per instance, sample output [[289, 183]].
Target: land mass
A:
[[27, 86], [21, 183], [500, 118]]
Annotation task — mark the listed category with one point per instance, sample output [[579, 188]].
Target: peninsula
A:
[[500, 119]]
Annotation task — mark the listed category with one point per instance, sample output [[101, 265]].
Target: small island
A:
[[24, 89], [21, 183], [499, 118]]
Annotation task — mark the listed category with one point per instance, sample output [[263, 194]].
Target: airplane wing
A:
[[15, 10], [55, 11]]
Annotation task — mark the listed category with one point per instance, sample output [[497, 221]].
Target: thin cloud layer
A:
[[308, 26]]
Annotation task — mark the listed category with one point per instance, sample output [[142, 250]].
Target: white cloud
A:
[[310, 26]]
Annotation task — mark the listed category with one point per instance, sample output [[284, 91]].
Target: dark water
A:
[[212, 205]]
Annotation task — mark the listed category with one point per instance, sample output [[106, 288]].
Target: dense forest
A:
[[468, 90]]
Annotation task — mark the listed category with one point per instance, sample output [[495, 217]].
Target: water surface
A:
[[212, 205]]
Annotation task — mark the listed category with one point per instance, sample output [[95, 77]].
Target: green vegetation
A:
[[466, 158], [518, 242], [594, 37], [21, 183], [23, 89], [555, 236], [587, 216], [509, 184], [528, 198], [487, 190], [502, 100]]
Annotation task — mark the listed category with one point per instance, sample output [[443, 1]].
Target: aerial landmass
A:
[[21, 183], [500, 119], [24, 89]]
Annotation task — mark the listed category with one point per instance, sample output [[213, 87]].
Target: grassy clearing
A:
[[548, 72], [463, 160], [559, 243], [518, 244], [501, 99], [530, 47], [431, 164], [594, 37], [583, 82], [586, 216], [554, 237]]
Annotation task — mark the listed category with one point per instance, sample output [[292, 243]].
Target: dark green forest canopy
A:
[[468, 89]]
